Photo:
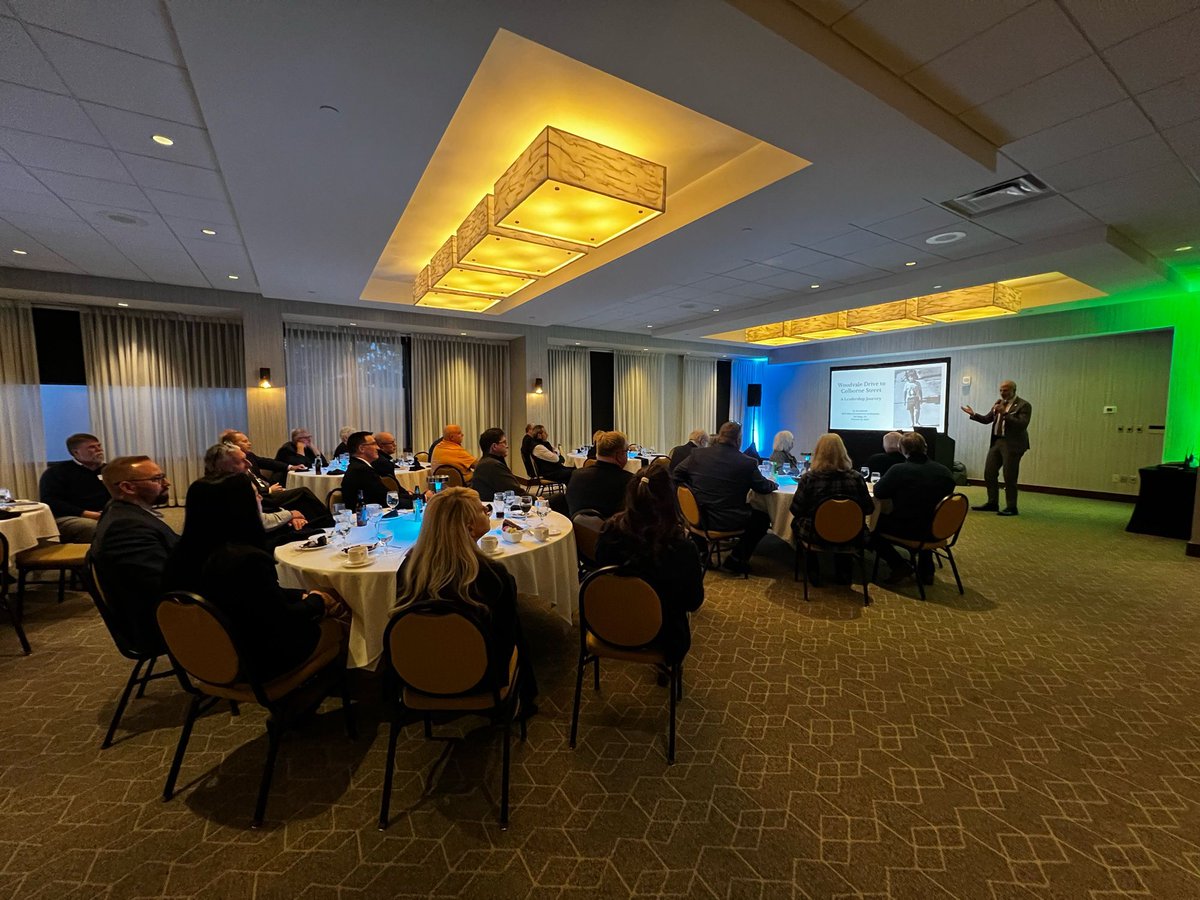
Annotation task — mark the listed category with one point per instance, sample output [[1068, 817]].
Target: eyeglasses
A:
[[159, 478]]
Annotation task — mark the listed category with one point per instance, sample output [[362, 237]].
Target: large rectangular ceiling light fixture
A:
[[885, 316], [445, 275], [567, 187], [481, 243], [822, 327], [965, 304]]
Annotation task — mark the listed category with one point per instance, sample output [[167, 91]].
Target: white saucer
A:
[[302, 549], [499, 551], [554, 532], [346, 564]]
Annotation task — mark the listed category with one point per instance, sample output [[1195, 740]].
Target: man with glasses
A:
[[133, 542], [73, 490], [385, 462]]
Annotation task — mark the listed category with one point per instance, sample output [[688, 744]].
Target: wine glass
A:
[[384, 535], [866, 472], [338, 509], [393, 500], [526, 504], [342, 529], [874, 478], [541, 508]]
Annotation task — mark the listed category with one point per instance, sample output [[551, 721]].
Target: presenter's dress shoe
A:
[[1010, 511], [986, 507]]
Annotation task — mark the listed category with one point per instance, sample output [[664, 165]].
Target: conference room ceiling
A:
[[898, 107]]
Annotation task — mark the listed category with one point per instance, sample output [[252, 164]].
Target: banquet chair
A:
[[391, 484], [14, 611], [50, 557], [436, 661], [662, 462], [587, 524], [540, 485], [142, 652], [421, 456], [452, 474], [839, 526], [333, 498], [619, 618], [211, 666], [949, 516], [695, 521], [588, 463]]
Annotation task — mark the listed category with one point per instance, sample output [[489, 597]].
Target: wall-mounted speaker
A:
[[753, 395]]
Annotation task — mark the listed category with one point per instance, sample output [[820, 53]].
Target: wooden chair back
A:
[[619, 609], [437, 650], [198, 638], [332, 498], [688, 507], [838, 520], [587, 524], [452, 474], [390, 483], [949, 517]]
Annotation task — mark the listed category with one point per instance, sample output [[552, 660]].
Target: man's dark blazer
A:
[[1016, 423], [915, 488], [679, 454], [271, 470], [881, 462], [384, 465], [130, 553], [600, 487], [721, 477], [361, 477]]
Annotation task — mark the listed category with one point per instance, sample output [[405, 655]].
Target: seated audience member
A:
[[591, 451], [832, 475], [493, 476], [446, 567], [263, 468], [449, 452], [698, 438], [132, 544], [343, 433], [73, 489], [721, 478], [550, 463], [527, 442], [647, 540], [361, 475], [602, 487], [915, 487], [222, 556], [891, 454], [299, 451], [297, 509], [385, 462], [781, 449]]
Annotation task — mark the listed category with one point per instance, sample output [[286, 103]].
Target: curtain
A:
[[458, 381], [746, 372], [21, 438], [163, 385], [644, 398], [698, 396], [570, 396], [344, 377]]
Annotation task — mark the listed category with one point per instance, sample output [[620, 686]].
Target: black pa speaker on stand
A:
[[753, 395]]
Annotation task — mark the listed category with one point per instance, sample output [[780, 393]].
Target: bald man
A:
[[1009, 418], [385, 462], [449, 451]]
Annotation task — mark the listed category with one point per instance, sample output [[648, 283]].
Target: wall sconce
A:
[[537, 386], [264, 378]]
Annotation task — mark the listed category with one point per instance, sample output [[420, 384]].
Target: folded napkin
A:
[[318, 540], [416, 467], [335, 471]]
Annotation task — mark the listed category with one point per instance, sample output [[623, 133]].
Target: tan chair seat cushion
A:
[[414, 699], [914, 544], [329, 647], [714, 535], [53, 556], [597, 647]]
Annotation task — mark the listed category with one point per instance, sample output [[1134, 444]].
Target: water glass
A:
[[338, 509], [541, 508], [384, 535], [342, 529], [393, 499], [866, 472], [5, 495], [874, 478]]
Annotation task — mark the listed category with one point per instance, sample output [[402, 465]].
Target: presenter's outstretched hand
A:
[[968, 410]]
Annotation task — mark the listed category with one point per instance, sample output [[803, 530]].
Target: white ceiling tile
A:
[[95, 190], [167, 266], [790, 281], [1038, 219], [116, 78], [186, 229], [1174, 103], [52, 226], [1157, 56], [1107, 23], [1111, 162], [22, 62], [683, 292], [148, 229], [828, 11], [40, 112], [890, 33], [752, 272], [41, 204], [130, 131], [39, 256], [175, 177], [183, 206], [1070, 92], [752, 290], [714, 283], [1160, 185], [4, 156], [139, 26], [925, 219], [1085, 135], [797, 260], [843, 271], [851, 242], [58, 155], [893, 257], [986, 242], [986, 66], [14, 178], [97, 256]]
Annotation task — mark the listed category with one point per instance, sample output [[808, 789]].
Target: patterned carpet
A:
[[1037, 737]]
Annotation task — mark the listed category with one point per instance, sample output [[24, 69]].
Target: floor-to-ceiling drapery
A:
[[344, 376], [458, 381], [569, 396], [697, 396], [163, 385], [645, 401], [747, 372], [23, 448]]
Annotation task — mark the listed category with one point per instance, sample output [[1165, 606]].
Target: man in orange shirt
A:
[[450, 452]]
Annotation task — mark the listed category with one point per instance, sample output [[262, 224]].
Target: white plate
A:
[[346, 564], [21, 504], [303, 549], [554, 532]]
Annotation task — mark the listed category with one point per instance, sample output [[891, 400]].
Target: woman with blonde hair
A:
[[832, 475], [446, 566]]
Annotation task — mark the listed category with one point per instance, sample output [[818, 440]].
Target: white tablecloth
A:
[[321, 485], [633, 464], [23, 532], [778, 506], [547, 570]]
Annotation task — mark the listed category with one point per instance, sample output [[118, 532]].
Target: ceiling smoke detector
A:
[[1021, 189]]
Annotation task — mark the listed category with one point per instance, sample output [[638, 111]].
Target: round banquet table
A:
[[778, 506], [321, 485], [633, 464], [35, 523], [545, 569]]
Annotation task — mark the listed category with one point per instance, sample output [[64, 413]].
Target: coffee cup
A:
[[357, 554], [489, 543], [540, 532]]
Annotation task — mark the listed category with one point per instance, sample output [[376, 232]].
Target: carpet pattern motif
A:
[[1037, 737]]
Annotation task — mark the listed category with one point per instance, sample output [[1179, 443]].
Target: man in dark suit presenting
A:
[[1009, 418]]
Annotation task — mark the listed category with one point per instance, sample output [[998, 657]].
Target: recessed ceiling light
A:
[[122, 304], [208, 231], [947, 237], [937, 287], [910, 263], [577, 343], [353, 323], [21, 252], [232, 277], [715, 309], [462, 334], [649, 326], [814, 286], [162, 139], [1184, 247], [645, 349]]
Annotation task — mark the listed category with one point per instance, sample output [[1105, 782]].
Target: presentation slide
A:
[[891, 397]]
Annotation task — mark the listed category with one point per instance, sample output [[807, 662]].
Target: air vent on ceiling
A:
[[1021, 189]]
